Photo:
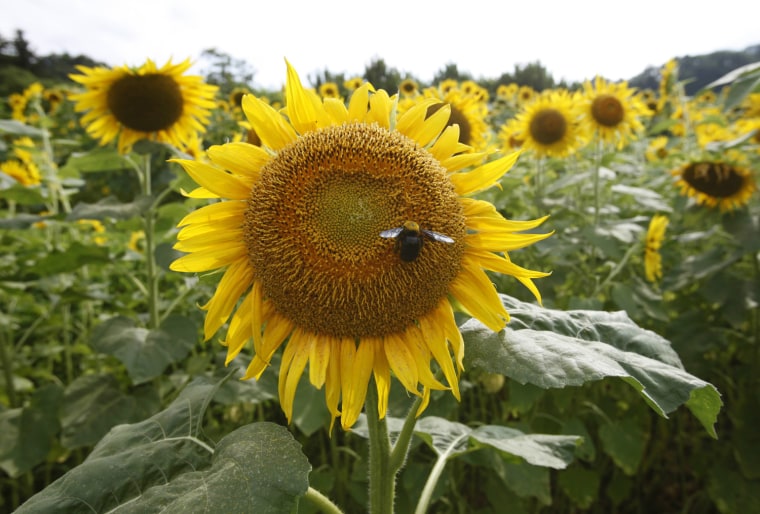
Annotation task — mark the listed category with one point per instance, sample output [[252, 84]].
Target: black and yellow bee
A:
[[410, 237]]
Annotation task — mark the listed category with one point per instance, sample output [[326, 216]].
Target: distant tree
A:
[[225, 71], [57, 67], [381, 76], [450, 71], [534, 75], [325, 76]]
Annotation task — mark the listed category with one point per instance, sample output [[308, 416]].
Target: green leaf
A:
[[109, 207], [580, 485], [23, 195], [99, 159], [26, 433], [145, 353], [554, 349], [16, 128], [624, 441], [91, 405], [448, 439], [21, 220], [131, 459], [75, 256]]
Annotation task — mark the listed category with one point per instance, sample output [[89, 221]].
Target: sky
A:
[[573, 39]]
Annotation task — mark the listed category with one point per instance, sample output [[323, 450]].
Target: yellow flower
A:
[[716, 184], [353, 83], [612, 111], [657, 149], [652, 258], [135, 239], [408, 87], [549, 125], [147, 103], [236, 96], [97, 227], [466, 110], [24, 174], [329, 90], [525, 94], [298, 233]]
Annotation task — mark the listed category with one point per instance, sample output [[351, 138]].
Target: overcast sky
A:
[[573, 39]]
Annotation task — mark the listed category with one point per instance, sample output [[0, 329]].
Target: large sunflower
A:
[[549, 125], [612, 111], [144, 103], [716, 184], [299, 237]]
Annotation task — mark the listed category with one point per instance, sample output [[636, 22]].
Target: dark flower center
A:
[[146, 103], [548, 126], [607, 110], [456, 118], [715, 179]]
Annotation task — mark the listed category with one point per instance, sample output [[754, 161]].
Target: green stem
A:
[[322, 502], [538, 191], [401, 446], [620, 265], [7, 363], [597, 166], [150, 246], [67, 343], [435, 474], [382, 480]]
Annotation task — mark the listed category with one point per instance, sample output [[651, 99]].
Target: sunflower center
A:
[[313, 228], [456, 117], [548, 126], [607, 110], [146, 103], [713, 178]]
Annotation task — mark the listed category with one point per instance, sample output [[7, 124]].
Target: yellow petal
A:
[[216, 180], [215, 212], [484, 176], [273, 130], [209, 259], [402, 362], [304, 109], [294, 360], [319, 360], [477, 294], [235, 281], [355, 369], [240, 158], [240, 329], [382, 375]]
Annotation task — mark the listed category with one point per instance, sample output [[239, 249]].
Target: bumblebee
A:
[[410, 237]]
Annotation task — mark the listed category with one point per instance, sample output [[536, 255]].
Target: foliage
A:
[[607, 398]]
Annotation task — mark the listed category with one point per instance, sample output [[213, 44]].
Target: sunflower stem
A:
[[150, 245], [7, 362], [382, 480], [404, 440], [597, 166], [321, 501]]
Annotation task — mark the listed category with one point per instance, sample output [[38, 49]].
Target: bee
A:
[[410, 237]]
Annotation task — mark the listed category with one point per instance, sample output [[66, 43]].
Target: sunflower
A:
[[298, 234], [146, 103], [409, 87], [466, 110], [549, 125], [24, 174], [353, 83], [652, 258], [612, 111], [716, 184], [235, 97], [525, 94], [329, 90]]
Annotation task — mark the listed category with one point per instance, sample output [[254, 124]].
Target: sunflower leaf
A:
[[449, 439], [554, 349], [145, 353]]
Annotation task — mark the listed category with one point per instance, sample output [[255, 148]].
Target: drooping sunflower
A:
[[549, 126], [298, 234], [149, 102], [612, 111], [654, 237], [716, 184]]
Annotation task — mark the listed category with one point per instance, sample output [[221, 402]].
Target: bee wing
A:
[[391, 233], [438, 237]]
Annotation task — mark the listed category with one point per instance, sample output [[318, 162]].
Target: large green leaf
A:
[[93, 404], [163, 465], [26, 433], [98, 159], [145, 353], [554, 349], [16, 128], [448, 439]]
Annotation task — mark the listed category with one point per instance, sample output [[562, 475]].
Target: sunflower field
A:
[[334, 297]]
